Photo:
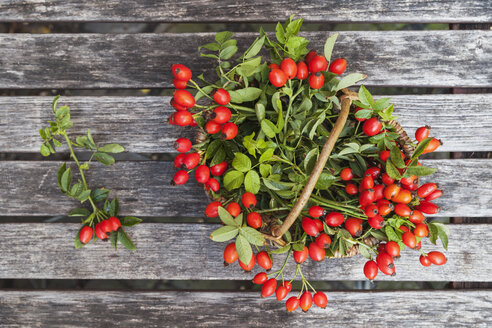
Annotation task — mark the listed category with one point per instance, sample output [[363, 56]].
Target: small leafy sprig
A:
[[54, 136]]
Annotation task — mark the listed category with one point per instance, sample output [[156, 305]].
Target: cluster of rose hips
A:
[[183, 101], [102, 230], [311, 68]]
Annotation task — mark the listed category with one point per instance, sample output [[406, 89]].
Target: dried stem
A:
[[278, 231]]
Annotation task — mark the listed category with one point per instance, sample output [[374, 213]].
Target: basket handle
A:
[[278, 231]]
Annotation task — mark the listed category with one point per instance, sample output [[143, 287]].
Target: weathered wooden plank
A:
[[140, 123], [246, 309], [445, 11], [144, 190], [183, 251], [445, 58]]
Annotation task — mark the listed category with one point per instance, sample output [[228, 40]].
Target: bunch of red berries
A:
[[102, 230]]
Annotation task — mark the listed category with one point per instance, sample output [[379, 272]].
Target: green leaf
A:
[[268, 128], [363, 249], [245, 95], [79, 212], [77, 243], [249, 67], [43, 135], [310, 159], [54, 103], [433, 233], [113, 238], [224, 233], [267, 155], [129, 221], [243, 249], [210, 46], [420, 171], [114, 207], [378, 234], [298, 247], [239, 220], [111, 148], [241, 162], [222, 37], [255, 48], [77, 188], [228, 52], [260, 111], [99, 194], [392, 171], [219, 157], [253, 236], [280, 33], [421, 147], [277, 185], [390, 233], [84, 195], [233, 179], [252, 182], [265, 170], [396, 159], [282, 250], [56, 143], [104, 158], [380, 104], [365, 96], [66, 180], [45, 151], [125, 240], [329, 44], [325, 181], [442, 231], [349, 80], [60, 172], [226, 217]]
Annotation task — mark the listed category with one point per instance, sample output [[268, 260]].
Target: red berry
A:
[[269, 287], [387, 180], [409, 181], [370, 270], [366, 197], [354, 226], [385, 264], [385, 209], [99, 233], [176, 106], [436, 194], [281, 293], [249, 200], [180, 84], [260, 278], [371, 210], [310, 56], [351, 189], [229, 131], [403, 197], [292, 304], [409, 239], [391, 191], [318, 224], [302, 71], [289, 67], [376, 222], [334, 219], [218, 169], [182, 118], [357, 118], [250, 265], [115, 222], [421, 230], [346, 174], [309, 226], [222, 97], [403, 228], [264, 260], [367, 182], [254, 220], [316, 211], [403, 210], [428, 207], [306, 299], [422, 133], [384, 155], [180, 177], [212, 184], [181, 72], [392, 248], [221, 115], [85, 234], [316, 253], [433, 145], [320, 299], [273, 66], [378, 192], [416, 217], [191, 160], [202, 174], [338, 66], [230, 254], [424, 260], [301, 256], [316, 80], [106, 226], [212, 127], [178, 160], [437, 258], [426, 189], [184, 98], [372, 126], [287, 285], [317, 64], [234, 209], [277, 77], [212, 209], [373, 171], [322, 240]]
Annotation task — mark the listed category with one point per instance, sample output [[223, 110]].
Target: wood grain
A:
[[247, 309], [446, 11], [389, 58], [184, 251], [140, 123], [143, 188]]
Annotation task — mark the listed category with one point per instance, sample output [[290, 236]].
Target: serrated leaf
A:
[[253, 236], [100, 194], [390, 233], [233, 179], [210, 46], [111, 148], [280, 33], [349, 80], [277, 185], [129, 221], [433, 233], [239, 220], [396, 159], [281, 250], [222, 37], [310, 159], [364, 113], [298, 247], [243, 249], [241, 162], [255, 48], [380, 104], [268, 128], [252, 182], [364, 251], [245, 95], [267, 155], [265, 170], [113, 238], [66, 180], [84, 195], [329, 44], [79, 212], [421, 147], [324, 182], [224, 233], [392, 171], [125, 240], [421, 171], [45, 151], [114, 207], [226, 217], [379, 235], [228, 52], [104, 158]]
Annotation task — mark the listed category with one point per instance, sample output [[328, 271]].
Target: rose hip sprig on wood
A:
[[267, 128], [101, 222]]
